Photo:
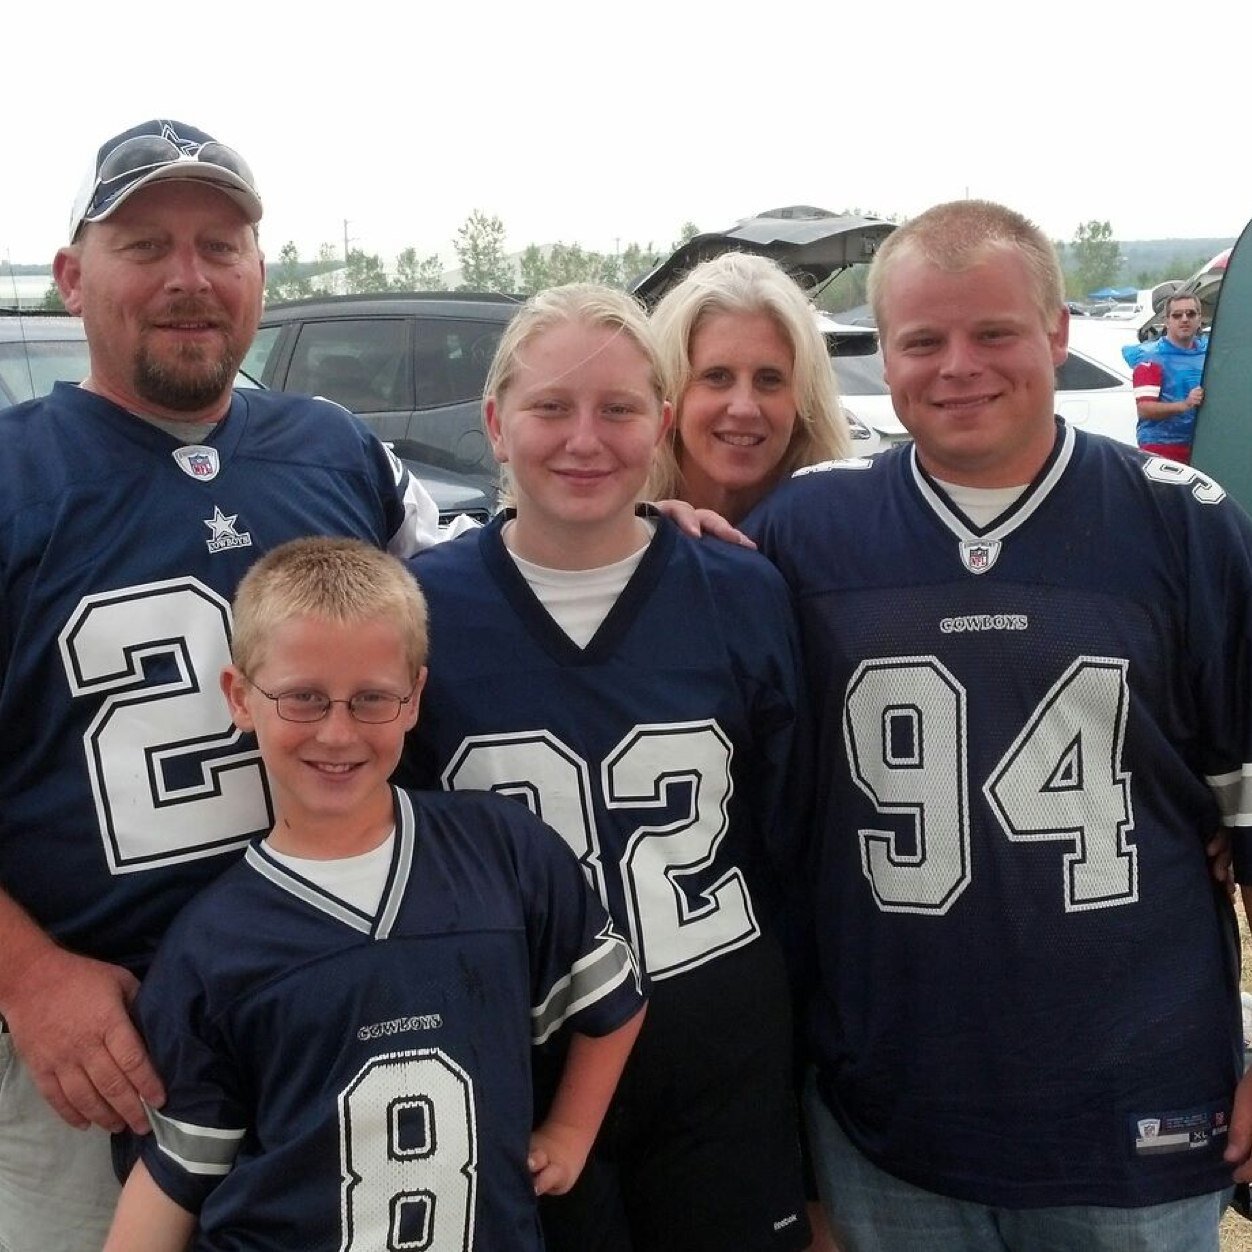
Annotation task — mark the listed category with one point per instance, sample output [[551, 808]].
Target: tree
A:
[[533, 266], [413, 274], [570, 263], [1178, 267], [288, 279], [635, 261], [686, 233], [1096, 256], [365, 272], [480, 250], [52, 299]]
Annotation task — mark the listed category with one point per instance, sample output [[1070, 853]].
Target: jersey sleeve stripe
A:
[[197, 1149], [591, 979], [1233, 793]]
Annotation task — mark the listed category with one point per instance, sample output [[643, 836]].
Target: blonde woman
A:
[[755, 393]]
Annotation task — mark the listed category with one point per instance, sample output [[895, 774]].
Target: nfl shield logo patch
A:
[[979, 555], [198, 460]]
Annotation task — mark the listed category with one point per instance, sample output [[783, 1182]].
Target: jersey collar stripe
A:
[[1017, 515], [401, 864], [304, 890]]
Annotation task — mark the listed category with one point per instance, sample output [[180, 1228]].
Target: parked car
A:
[[37, 350], [412, 366], [811, 244]]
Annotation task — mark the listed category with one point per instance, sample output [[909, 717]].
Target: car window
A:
[[357, 362], [1077, 373], [860, 375], [29, 369], [452, 360], [259, 354]]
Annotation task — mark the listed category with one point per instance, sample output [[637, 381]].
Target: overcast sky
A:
[[603, 125]]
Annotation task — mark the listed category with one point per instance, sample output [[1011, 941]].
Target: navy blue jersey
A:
[[339, 1081], [659, 751], [123, 782], [1025, 735]]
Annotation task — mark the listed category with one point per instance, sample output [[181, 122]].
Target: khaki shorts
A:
[[57, 1189]]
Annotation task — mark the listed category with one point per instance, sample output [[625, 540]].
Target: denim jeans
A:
[[873, 1211]]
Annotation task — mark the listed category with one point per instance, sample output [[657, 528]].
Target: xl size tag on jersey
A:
[[1180, 1131]]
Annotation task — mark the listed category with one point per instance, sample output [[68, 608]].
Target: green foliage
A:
[[480, 250], [572, 263], [52, 299], [1178, 267], [846, 290], [287, 280], [418, 274], [1096, 257], [364, 272], [635, 261], [533, 268]]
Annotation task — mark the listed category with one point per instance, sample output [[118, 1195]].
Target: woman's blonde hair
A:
[[740, 283]]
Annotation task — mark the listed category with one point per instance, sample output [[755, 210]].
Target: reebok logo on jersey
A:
[[224, 533]]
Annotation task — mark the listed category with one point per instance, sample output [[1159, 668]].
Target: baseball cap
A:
[[155, 150]]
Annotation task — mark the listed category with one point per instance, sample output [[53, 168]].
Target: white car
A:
[[1091, 394]]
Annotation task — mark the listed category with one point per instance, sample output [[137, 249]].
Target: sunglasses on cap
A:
[[141, 159]]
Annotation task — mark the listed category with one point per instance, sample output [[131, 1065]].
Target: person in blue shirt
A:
[[1167, 380]]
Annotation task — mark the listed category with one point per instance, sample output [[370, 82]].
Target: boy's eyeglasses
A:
[[374, 708]]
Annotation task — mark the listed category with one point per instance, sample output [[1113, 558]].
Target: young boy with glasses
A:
[[344, 1020]]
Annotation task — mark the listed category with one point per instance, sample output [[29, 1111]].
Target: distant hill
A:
[[1181, 257]]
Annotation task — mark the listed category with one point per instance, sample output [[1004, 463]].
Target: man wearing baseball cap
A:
[[130, 507]]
